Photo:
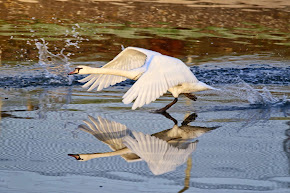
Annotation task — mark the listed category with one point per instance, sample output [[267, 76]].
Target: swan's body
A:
[[114, 134], [161, 155], [155, 74]]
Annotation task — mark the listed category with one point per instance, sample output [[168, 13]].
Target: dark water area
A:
[[199, 30], [236, 139], [264, 75]]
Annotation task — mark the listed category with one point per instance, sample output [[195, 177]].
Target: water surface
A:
[[240, 47]]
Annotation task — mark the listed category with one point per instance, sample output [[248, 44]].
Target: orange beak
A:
[[75, 156], [73, 72]]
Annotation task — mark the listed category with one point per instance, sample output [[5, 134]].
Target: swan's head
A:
[[81, 70], [80, 157]]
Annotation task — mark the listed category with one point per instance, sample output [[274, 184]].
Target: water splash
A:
[[75, 35], [56, 66], [262, 103], [258, 97], [53, 100]]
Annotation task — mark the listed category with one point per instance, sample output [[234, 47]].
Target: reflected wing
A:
[[159, 155], [128, 59], [163, 73], [109, 132]]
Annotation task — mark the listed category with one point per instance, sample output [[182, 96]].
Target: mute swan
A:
[[113, 133], [161, 156], [155, 74], [163, 151]]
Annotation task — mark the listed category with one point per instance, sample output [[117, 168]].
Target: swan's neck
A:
[[89, 156], [131, 74]]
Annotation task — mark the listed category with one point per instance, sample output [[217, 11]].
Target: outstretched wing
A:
[[159, 155], [163, 73], [130, 58], [109, 132]]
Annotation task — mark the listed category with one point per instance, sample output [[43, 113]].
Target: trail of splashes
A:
[[263, 113], [56, 66], [53, 100], [262, 103], [262, 97]]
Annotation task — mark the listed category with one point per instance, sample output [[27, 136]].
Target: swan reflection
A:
[[163, 151]]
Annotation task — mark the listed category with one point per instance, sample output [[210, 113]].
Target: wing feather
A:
[[95, 84], [102, 81], [90, 82], [146, 146], [128, 59], [86, 79], [86, 129], [159, 155], [109, 132], [148, 95], [163, 73]]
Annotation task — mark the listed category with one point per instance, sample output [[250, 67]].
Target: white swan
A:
[[160, 154], [113, 134], [156, 74]]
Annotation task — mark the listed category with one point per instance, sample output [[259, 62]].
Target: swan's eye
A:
[[78, 70]]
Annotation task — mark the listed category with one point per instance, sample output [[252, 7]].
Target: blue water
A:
[[236, 139]]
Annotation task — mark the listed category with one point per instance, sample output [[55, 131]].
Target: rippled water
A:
[[232, 140]]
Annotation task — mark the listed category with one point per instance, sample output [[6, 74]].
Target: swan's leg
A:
[[189, 119], [190, 96], [162, 110], [187, 175], [168, 116]]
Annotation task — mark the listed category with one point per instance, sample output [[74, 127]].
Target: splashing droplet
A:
[[56, 66]]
